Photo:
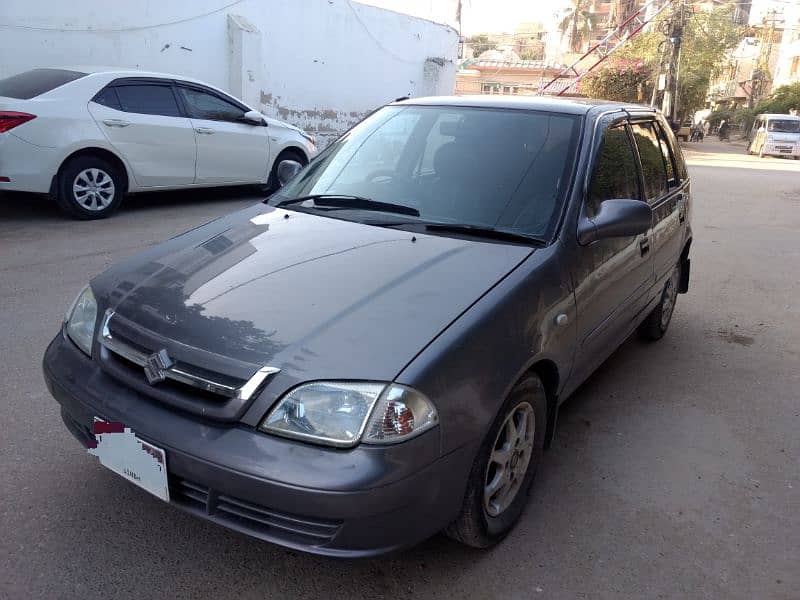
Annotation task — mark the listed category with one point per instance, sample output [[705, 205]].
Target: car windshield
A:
[[784, 126], [488, 168]]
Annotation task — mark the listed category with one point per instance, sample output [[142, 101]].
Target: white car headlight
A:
[[345, 413], [80, 320], [310, 138]]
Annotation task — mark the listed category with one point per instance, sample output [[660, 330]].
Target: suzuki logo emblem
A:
[[156, 367]]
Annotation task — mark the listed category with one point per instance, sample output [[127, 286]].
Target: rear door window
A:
[[33, 83], [669, 161], [148, 99], [654, 170], [616, 175], [204, 105], [107, 97]]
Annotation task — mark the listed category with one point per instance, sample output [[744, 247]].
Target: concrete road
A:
[[674, 474]]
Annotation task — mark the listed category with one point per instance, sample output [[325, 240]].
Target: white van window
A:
[[783, 126]]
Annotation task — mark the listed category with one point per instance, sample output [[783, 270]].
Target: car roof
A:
[[123, 72], [780, 116], [577, 106]]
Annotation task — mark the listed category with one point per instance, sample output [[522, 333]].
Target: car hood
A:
[[314, 296]]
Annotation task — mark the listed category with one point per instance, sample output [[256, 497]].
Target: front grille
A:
[[169, 372], [251, 518]]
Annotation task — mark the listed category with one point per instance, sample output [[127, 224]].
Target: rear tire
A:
[[506, 462], [655, 325], [89, 187]]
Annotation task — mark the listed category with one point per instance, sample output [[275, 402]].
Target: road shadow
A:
[[21, 207]]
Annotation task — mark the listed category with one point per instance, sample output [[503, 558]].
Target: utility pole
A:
[[676, 24], [761, 74]]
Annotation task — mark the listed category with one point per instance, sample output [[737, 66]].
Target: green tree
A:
[[619, 79], [782, 100], [480, 43], [707, 36], [533, 50], [578, 22]]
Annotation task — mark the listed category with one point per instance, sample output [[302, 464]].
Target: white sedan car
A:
[[87, 136]]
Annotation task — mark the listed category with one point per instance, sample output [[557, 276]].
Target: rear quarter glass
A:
[[30, 84]]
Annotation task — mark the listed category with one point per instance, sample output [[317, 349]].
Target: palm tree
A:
[[580, 22]]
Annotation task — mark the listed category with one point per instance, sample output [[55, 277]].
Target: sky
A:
[[479, 15], [496, 16]]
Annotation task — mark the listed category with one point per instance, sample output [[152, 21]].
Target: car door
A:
[[613, 277], [664, 191], [229, 149], [753, 146], [141, 118]]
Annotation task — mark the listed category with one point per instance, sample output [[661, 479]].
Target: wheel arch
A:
[[103, 153], [292, 149], [547, 371]]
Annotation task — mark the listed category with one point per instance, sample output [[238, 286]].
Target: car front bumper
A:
[[782, 149], [368, 500]]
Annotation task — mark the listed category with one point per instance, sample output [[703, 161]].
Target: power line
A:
[[119, 29]]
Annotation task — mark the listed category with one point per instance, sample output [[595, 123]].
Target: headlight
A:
[[345, 413], [81, 319], [311, 139]]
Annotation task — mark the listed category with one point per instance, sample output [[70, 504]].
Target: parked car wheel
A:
[[289, 154], [655, 325], [89, 187], [504, 468]]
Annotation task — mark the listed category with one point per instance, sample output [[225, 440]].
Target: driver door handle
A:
[[204, 130], [116, 122], [644, 245]]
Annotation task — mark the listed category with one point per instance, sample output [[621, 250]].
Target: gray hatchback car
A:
[[378, 351]]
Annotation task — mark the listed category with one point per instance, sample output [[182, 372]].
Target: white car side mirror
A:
[[254, 117]]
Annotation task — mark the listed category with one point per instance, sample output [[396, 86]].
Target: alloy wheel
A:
[[509, 459], [93, 189]]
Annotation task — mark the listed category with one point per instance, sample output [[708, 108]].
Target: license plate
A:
[[138, 461]]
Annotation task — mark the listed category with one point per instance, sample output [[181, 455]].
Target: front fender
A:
[[470, 368]]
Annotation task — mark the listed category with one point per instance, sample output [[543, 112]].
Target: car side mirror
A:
[[254, 117], [616, 218], [287, 169]]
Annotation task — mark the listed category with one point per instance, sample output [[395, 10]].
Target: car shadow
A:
[[22, 207]]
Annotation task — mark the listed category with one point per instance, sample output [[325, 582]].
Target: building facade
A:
[[787, 70], [511, 77], [318, 64]]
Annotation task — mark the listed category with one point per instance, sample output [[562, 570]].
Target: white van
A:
[[776, 135]]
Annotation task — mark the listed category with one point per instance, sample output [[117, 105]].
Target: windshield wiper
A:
[[484, 232], [358, 202]]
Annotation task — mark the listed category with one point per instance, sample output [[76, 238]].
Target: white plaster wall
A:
[[789, 47], [323, 63]]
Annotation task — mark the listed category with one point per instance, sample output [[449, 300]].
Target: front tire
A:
[[89, 187], [289, 154], [504, 468], [655, 325]]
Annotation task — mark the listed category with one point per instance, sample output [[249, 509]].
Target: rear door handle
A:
[[644, 245], [204, 130], [116, 122]]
